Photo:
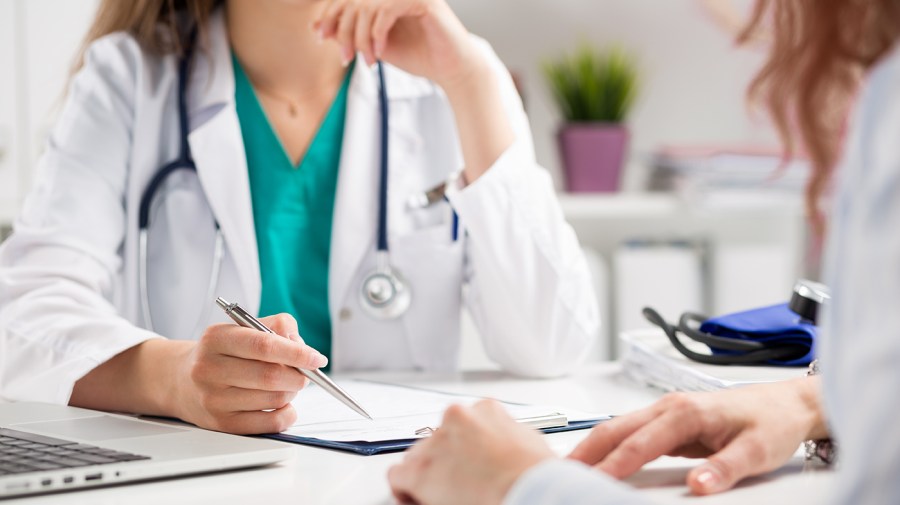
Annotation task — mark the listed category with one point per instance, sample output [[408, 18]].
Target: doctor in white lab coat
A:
[[70, 306]]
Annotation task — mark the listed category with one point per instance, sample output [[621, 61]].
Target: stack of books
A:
[[650, 359]]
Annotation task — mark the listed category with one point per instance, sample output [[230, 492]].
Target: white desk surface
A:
[[319, 476]]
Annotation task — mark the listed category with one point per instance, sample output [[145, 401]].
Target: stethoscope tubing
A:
[[183, 162]]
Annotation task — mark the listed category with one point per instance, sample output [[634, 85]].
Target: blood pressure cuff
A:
[[772, 335], [773, 326]]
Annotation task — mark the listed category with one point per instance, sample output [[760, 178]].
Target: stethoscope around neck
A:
[[384, 294]]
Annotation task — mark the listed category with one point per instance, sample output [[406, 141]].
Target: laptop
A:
[[48, 448]]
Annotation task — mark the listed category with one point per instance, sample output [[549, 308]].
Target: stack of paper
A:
[[714, 168], [649, 358]]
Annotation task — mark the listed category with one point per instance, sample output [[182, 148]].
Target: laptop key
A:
[[130, 457], [68, 462], [35, 447], [13, 450], [31, 437], [79, 447], [59, 451], [45, 465], [13, 469], [93, 458]]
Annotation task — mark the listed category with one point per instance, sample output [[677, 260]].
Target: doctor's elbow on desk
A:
[[555, 353]]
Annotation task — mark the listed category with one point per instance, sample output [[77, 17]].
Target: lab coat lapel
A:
[[218, 150], [355, 208], [355, 221]]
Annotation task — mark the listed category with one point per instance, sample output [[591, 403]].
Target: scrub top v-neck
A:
[[293, 207]]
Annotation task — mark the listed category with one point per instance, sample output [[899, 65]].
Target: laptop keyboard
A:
[[22, 452]]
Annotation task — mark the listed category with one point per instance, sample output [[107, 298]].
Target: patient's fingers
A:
[[661, 436], [604, 437]]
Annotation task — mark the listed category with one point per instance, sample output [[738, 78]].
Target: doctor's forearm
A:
[[137, 380], [485, 131]]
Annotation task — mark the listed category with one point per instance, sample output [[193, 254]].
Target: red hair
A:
[[820, 49]]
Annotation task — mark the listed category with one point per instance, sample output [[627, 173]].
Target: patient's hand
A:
[[475, 457], [741, 432]]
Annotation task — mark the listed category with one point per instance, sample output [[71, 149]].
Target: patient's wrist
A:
[[810, 394]]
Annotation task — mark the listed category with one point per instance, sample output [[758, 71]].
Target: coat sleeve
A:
[[59, 270], [529, 287]]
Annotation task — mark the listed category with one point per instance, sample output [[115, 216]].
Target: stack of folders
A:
[[401, 416], [650, 359]]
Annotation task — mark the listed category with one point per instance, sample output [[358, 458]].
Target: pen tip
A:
[[223, 303]]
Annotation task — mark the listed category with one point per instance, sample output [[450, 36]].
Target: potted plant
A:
[[594, 91]]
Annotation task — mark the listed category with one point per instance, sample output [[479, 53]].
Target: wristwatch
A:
[[823, 449]]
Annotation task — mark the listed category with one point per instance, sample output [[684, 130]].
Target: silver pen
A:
[[245, 319]]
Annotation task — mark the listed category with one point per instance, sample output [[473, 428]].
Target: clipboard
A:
[[404, 415], [389, 446]]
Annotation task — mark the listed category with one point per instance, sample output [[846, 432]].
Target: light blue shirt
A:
[[860, 351]]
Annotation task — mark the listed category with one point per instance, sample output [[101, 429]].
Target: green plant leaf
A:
[[593, 85]]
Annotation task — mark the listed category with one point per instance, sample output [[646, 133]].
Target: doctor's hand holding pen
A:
[[234, 379], [425, 38]]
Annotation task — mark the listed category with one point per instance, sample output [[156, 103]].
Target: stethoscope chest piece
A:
[[385, 293]]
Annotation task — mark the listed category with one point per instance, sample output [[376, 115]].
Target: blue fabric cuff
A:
[[776, 324]]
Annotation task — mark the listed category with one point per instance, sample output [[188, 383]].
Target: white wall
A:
[[38, 41], [694, 78], [9, 180]]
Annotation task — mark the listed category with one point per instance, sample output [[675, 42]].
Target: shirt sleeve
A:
[[860, 342], [529, 287], [571, 483]]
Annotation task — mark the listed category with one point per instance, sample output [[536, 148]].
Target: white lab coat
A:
[[69, 273]]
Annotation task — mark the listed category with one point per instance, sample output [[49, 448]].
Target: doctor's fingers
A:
[[346, 30], [232, 340], [254, 423], [362, 36], [283, 324], [326, 24], [230, 371], [231, 400], [364, 25]]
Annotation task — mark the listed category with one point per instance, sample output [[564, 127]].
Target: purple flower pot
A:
[[592, 155]]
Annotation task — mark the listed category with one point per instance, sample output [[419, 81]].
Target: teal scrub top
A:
[[293, 208]]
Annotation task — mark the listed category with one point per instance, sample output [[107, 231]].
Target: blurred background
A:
[[696, 215]]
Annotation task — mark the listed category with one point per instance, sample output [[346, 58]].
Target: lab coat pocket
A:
[[432, 263]]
